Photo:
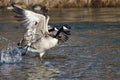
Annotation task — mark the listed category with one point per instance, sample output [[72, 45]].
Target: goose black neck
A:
[[57, 34]]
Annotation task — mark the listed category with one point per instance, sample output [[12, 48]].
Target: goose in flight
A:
[[38, 38]]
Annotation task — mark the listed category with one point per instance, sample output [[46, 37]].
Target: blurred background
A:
[[63, 3]]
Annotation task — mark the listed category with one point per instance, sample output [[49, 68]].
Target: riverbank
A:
[[63, 3]]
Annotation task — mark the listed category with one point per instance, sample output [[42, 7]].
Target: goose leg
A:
[[41, 55]]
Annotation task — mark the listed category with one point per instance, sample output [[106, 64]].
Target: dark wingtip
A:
[[17, 10]]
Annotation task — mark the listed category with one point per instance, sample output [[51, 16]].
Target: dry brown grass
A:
[[64, 3]]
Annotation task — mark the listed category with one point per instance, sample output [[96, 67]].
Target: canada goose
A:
[[38, 35], [50, 41]]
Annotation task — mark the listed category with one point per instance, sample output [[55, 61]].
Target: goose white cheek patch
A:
[[65, 28]]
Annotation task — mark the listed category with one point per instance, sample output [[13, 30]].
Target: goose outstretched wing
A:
[[35, 23]]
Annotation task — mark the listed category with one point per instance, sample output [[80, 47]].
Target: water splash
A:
[[11, 55]]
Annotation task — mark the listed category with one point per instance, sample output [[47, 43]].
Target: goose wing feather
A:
[[34, 23]]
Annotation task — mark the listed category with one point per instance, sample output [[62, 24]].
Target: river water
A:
[[91, 53]]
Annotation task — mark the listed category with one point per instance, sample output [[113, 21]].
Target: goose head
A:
[[53, 29], [64, 30], [62, 34]]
